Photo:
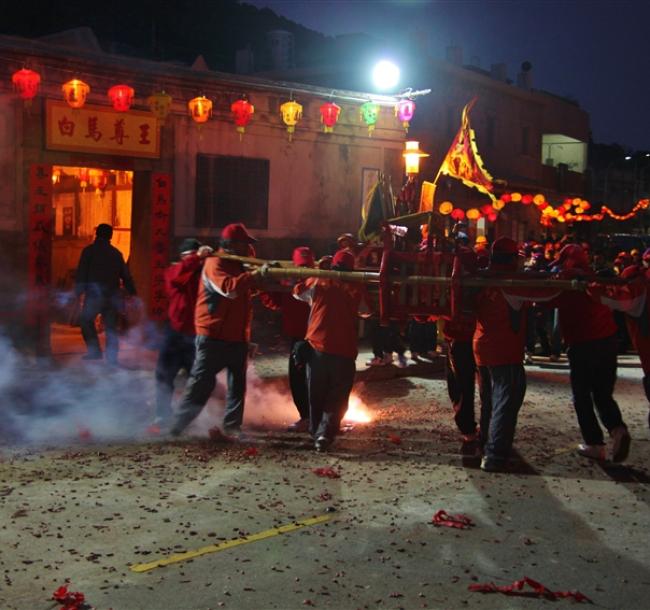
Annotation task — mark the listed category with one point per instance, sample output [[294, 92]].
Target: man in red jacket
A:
[[332, 335], [589, 330], [177, 349], [295, 315], [222, 321]]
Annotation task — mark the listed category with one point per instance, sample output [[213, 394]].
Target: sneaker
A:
[[620, 443], [593, 452], [302, 425], [322, 443], [528, 359], [216, 435], [377, 361], [489, 464], [401, 361]]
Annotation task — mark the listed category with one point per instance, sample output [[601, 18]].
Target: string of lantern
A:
[[75, 92]]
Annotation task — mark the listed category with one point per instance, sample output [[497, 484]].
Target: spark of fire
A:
[[357, 412]]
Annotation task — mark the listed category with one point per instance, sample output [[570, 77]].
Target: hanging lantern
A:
[[499, 204], [121, 97], [457, 214], [539, 199], [200, 109], [242, 112], [585, 205], [515, 196], [473, 214], [506, 197], [492, 217], [26, 83], [526, 199], [75, 92], [160, 105], [84, 177], [412, 155], [329, 115], [487, 209], [404, 110], [446, 208], [291, 114], [370, 113]]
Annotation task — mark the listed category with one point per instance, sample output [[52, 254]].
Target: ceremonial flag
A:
[[379, 206], [463, 161]]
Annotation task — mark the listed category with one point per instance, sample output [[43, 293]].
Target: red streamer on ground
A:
[[328, 472], [251, 451], [393, 438], [71, 600], [538, 590], [461, 522]]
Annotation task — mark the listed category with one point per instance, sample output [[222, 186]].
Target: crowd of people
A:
[[486, 342]]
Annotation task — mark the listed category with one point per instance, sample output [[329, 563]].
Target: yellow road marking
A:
[[215, 548]]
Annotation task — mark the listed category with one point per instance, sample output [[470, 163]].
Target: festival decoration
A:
[[242, 113], [457, 214], [446, 208], [26, 83], [160, 105], [291, 114], [412, 155], [473, 214], [370, 113], [121, 97], [75, 92], [329, 115], [200, 109], [404, 110]]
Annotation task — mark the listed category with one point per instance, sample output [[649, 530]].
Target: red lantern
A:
[[200, 109], [242, 112], [121, 97], [26, 83], [492, 217], [75, 92], [526, 199], [329, 114], [487, 209], [457, 214], [507, 197]]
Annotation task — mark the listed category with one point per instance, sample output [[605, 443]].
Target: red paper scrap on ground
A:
[[393, 438], [328, 472], [459, 521], [251, 451], [154, 430], [70, 600], [538, 590], [84, 433]]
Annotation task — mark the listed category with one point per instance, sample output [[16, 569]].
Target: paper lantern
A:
[[506, 197], [457, 214], [515, 197], [539, 199], [404, 110], [499, 204], [329, 115], [412, 155], [121, 97], [75, 92], [26, 83], [585, 205], [487, 209], [370, 113], [160, 105], [446, 208], [200, 109], [492, 217], [242, 113], [526, 199], [291, 114], [473, 214]]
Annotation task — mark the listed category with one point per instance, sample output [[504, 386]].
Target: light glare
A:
[[385, 75]]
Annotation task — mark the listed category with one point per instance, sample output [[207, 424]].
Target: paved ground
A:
[[76, 505]]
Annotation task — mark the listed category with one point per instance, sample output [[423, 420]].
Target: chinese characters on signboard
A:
[[98, 129], [160, 229]]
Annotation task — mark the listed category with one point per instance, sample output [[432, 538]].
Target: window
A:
[[232, 189]]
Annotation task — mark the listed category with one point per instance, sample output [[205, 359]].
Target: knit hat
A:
[[303, 257]]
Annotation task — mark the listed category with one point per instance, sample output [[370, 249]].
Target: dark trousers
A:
[[298, 384], [108, 307], [211, 357], [386, 339], [176, 353], [537, 323], [422, 336], [330, 380], [461, 375], [593, 376], [508, 385]]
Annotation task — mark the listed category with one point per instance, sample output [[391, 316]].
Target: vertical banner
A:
[[160, 233], [39, 272]]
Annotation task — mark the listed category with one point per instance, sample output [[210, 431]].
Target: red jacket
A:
[[182, 287], [223, 308], [295, 313], [332, 325]]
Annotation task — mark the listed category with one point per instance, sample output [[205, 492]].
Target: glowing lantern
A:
[[56, 176], [457, 214], [370, 113], [160, 104], [200, 109], [515, 196], [539, 199], [121, 97], [329, 114], [585, 205], [506, 197], [492, 217], [499, 204], [291, 114], [404, 110], [84, 177], [412, 155], [487, 209], [446, 208], [527, 199], [26, 83], [242, 113], [577, 201], [75, 92], [473, 214]]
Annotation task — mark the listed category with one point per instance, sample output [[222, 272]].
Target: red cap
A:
[[630, 272], [346, 238], [303, 257], [237, 232], [573, 256], [344, 260], [505, 245]]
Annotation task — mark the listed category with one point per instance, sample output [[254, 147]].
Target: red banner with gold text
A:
[[160, 233]]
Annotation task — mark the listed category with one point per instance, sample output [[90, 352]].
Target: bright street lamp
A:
[[385, 75]]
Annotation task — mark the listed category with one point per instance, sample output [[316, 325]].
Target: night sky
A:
[[596, 52]]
